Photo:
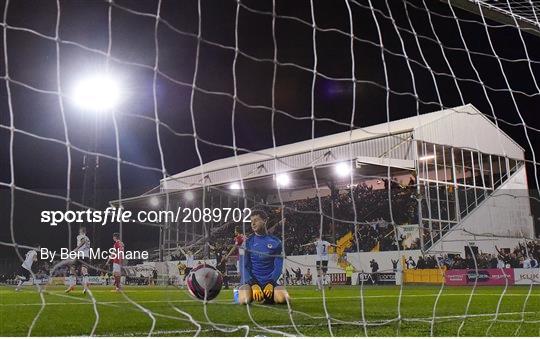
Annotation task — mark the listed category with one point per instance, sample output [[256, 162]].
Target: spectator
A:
[[308, 277], [349, 270], [374, 266], [411, 264], [421, 263], [394, 264], [298, 276], [154, 277]]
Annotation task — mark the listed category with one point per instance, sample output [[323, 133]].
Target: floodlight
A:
[[343, 169], [96, 93], [154, 201], [189, 196], [235, 186], [283, 179]]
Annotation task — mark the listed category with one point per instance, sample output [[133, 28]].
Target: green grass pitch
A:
[[74, 314]]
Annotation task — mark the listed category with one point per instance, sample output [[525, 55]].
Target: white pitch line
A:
[[296, 298], [142, 290], [421, 295], [164, 332]]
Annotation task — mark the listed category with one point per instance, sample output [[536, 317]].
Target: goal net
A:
[[385, 152]]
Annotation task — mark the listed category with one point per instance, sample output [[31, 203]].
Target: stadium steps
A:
[[473, 206]]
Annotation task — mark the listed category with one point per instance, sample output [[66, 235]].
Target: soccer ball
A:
[[204, 282]]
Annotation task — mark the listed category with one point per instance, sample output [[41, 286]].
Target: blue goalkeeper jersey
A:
[[263, 261]]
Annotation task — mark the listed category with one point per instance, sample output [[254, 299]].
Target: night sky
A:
[[41, 165]]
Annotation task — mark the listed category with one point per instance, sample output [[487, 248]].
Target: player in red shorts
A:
[[117, 260], [237, 250]]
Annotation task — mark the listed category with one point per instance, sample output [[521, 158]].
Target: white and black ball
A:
[[204, 282]]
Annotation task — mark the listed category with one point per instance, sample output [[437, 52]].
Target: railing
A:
[[450, 224]]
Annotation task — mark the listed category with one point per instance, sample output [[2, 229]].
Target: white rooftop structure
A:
[[384, 144]]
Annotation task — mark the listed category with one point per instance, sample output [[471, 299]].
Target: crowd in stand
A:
[[372, 230], [372, 209], [525, 255], [302, 220]]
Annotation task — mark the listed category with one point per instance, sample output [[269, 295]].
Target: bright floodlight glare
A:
[[97, 93], [283, 179], [234, 186], [188, 195], [154, 201], [343, 169]]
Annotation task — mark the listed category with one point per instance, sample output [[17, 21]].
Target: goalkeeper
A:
[[262, 264]]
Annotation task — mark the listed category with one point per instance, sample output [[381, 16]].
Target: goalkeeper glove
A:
[[268, 290], [257, 292]]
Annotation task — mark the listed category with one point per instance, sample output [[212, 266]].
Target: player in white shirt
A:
[[83, 249], [190, 260], [25, 271], [321, 247]]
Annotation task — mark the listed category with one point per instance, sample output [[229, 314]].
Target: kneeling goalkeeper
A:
[[262, 264]]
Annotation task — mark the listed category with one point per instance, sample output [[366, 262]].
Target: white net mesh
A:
[[429, 202]]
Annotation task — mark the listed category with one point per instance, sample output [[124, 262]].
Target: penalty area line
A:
[[293, 298]]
